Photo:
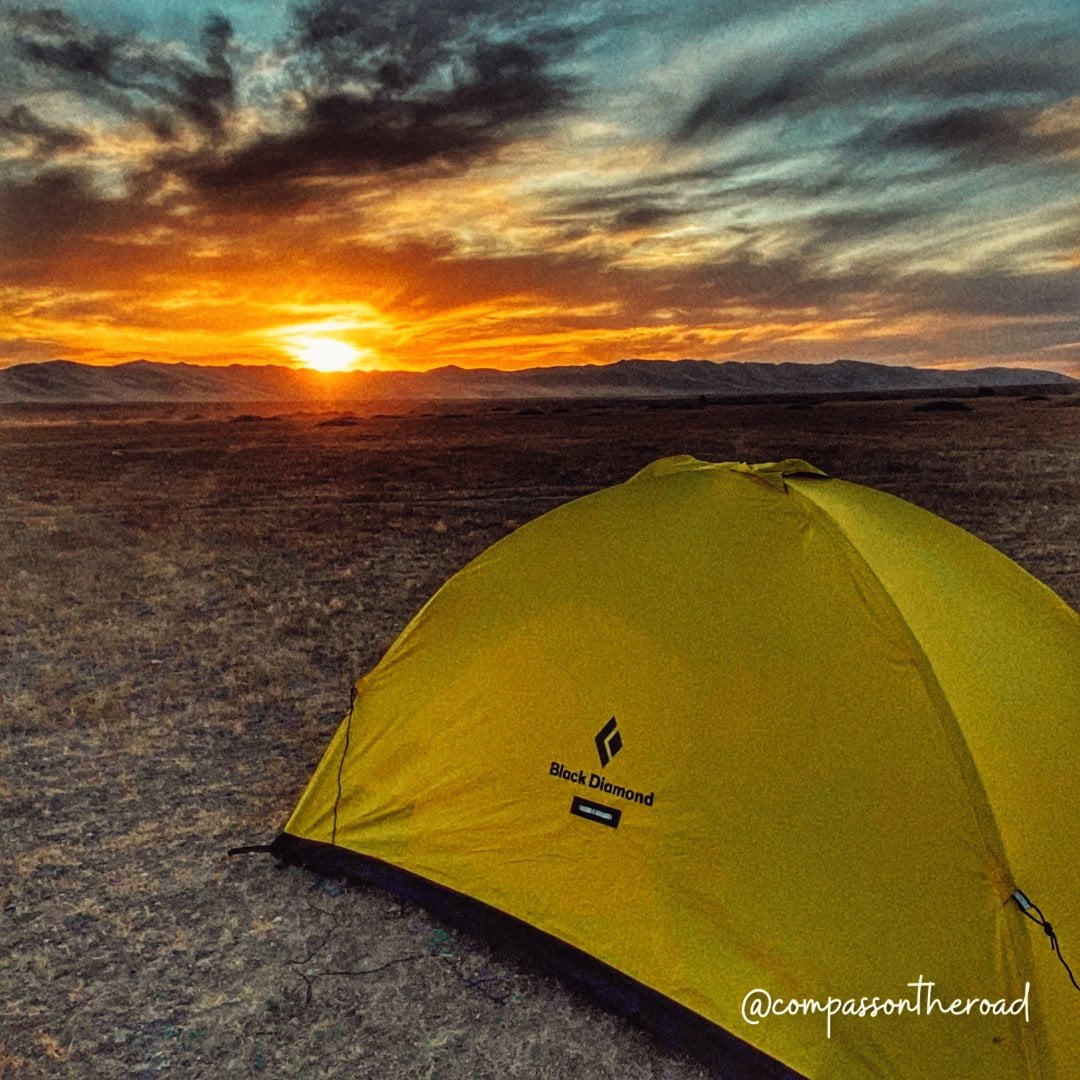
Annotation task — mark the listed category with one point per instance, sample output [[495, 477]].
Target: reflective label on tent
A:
[[591, 811]]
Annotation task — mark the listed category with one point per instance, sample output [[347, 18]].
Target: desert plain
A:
[[186, 594]]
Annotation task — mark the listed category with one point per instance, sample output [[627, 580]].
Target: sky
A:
[[414, 183]]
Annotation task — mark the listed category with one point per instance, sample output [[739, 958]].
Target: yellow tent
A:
[[773, 758]]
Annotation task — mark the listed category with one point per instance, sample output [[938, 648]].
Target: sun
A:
[[323, 353]]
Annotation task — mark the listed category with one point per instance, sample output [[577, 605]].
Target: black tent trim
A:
[[679, 1027]]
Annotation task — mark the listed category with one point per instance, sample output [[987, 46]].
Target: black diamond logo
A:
[[608, 742]]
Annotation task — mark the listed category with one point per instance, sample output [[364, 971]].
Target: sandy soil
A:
[[184, 599]]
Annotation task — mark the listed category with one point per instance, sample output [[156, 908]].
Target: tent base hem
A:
[[677, 1026]]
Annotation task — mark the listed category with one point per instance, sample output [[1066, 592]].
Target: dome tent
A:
[[723, 729]]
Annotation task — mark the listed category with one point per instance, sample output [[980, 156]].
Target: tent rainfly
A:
[[783, 766]]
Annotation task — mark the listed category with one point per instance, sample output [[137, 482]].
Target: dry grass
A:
[[183, 603]]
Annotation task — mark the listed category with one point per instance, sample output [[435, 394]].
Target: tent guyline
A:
[[341, 764], [1032, 912]]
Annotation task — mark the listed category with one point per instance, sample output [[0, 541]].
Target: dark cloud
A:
[[399, 85], [616, 211], [931, 55], [644, 216], [838, 229], [133, 78], [986, 136], [397, 46], [499, 88], [60, 207], [23, 126], [206, 97], [44, 20]]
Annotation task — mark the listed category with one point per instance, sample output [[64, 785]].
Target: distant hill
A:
[[60, 381]]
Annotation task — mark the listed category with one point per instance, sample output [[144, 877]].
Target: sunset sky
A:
[[517, 183]]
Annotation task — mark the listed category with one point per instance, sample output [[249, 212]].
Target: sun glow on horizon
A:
[[324, 354]]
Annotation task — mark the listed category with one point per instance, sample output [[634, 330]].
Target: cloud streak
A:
[[926, 57]]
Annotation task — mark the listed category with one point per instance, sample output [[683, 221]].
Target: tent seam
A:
[[954, 732]]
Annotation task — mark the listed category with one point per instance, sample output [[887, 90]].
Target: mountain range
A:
[[64, 381]]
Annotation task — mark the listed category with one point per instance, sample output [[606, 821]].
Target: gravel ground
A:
[[184, 601]]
